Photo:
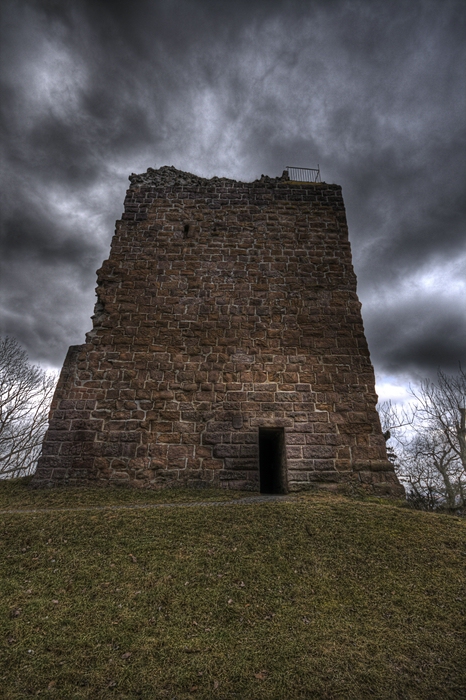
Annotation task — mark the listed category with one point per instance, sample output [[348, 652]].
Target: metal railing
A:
[[303, 174]]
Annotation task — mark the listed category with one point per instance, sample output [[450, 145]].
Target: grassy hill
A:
[[318, 597]]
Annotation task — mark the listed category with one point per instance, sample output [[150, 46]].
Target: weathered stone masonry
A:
[[225, 308]]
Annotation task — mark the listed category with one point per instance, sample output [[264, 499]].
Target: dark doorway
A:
[[272, 468]]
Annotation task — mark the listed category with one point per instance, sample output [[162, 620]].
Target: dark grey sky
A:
[[373, 91]]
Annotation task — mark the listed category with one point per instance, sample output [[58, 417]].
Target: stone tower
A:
[[228, 347]]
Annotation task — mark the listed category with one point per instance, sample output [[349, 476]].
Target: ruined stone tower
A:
[[228, 347]]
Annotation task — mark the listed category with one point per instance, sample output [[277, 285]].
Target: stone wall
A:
[[224, 307]]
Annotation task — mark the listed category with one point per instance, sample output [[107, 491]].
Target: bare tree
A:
[[428, 442], [442, 408], [434, 475], [25, 394]]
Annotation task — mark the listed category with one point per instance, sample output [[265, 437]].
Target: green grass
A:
[[322, 597]]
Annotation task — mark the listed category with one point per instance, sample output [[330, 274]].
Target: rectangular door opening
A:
[[272, 463]]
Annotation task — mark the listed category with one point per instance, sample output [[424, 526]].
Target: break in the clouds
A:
[[373, 91]]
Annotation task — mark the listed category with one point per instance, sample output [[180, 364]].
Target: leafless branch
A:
[[25, 395], [427, 442]]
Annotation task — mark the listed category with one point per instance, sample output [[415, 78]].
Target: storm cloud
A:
[[372, 91]]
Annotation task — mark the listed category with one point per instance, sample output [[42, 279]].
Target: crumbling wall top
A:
[[168, 176]]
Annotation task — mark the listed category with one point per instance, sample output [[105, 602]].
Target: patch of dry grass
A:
[[17, 493], [325, 597]]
